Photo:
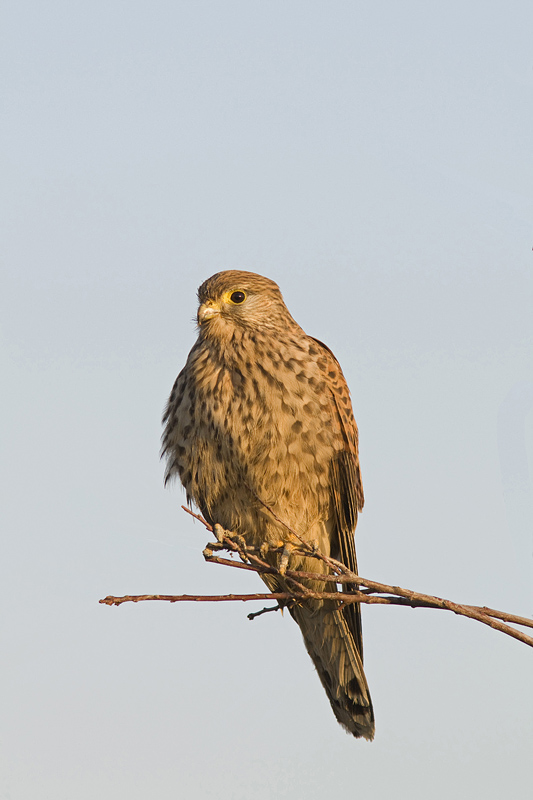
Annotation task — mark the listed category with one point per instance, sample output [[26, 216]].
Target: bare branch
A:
[[368, 592], [266, 610], [415, 601], [198, 517], [196, 598]]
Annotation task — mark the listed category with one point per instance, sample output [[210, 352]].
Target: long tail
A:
[[332, 647]]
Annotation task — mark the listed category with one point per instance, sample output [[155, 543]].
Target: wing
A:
[[345, 481]]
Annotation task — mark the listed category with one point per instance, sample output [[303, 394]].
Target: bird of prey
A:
[[259, 428]]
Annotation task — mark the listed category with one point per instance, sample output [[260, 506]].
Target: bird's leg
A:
[[288, 548], [219, 532], [268, 547], [230, 540]]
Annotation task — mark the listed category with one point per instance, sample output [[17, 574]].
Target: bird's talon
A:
[[240, 541]]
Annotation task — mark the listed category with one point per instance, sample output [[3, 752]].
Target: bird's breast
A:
[[265, 424]]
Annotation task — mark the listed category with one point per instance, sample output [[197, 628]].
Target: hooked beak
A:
[[206, 313]]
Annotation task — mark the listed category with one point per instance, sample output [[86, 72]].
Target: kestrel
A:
[[259, 426]]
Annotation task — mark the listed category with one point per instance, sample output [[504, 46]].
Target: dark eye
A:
[[238, 297]]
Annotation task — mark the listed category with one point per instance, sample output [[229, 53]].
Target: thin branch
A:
[[368, 592], [194, 598], [265, 610], [198, 517], [405, 599], [516, 620], [413, 599], [342, 598]]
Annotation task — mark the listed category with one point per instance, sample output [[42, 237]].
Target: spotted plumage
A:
[[259, 425]]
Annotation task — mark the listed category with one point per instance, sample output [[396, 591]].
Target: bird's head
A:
[[237, 299]]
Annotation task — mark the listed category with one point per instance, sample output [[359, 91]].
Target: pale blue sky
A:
[[376, 160]]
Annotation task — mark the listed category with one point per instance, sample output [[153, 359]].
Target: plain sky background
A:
[[376, 160]]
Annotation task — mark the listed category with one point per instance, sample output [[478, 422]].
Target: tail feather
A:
[[334, 652]]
